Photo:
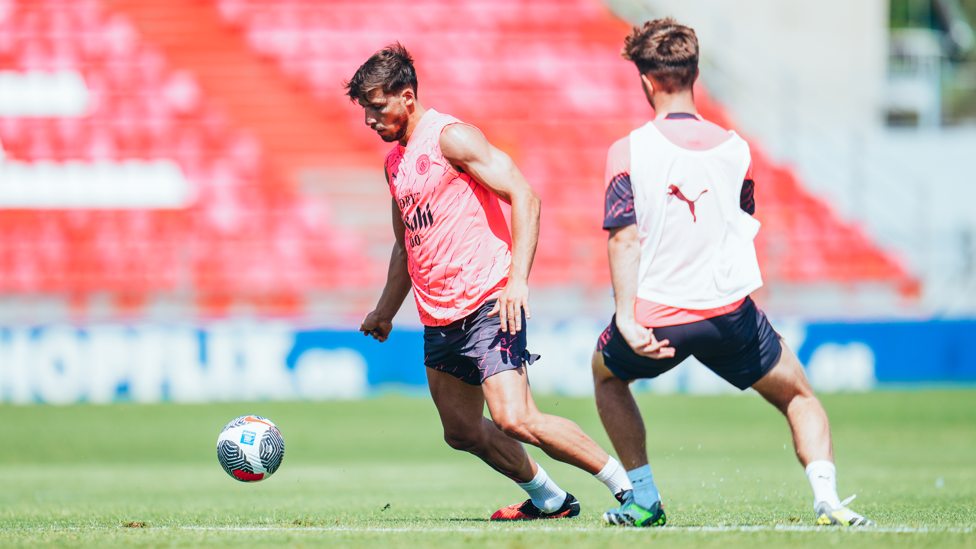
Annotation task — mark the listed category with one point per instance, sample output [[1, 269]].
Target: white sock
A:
[[645, 493], [614, 476], [823, 480], [544, 492]]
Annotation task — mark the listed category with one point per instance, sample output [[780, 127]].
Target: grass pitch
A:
[[376, 473]]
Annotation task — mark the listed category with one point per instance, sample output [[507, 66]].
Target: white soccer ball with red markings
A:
[[250, 448]]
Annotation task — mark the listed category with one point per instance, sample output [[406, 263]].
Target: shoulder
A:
[[458, 140], [620, 147], [717, 131], [618, 158], [460, 132]]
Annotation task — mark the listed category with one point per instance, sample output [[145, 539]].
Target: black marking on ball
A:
[[272, 450], [231, 458]]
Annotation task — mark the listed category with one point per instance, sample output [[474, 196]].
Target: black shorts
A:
[[474, 348], [739, 346]]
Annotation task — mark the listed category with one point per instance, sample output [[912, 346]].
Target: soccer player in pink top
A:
[[470, 281], [679, 204]]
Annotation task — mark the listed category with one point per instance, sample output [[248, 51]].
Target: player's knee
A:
[[516, 427], [463, 442], [804, 396], [797, 395]]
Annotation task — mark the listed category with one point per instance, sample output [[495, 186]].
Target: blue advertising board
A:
[[269, 360]]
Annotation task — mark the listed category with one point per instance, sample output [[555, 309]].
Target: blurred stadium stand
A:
[[290, 213], [879, 120]]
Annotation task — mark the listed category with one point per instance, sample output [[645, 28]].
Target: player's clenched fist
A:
[[513, 299], [374, 326]]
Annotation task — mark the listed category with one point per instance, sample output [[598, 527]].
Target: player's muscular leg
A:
[[620, 415], [461, 409], [513, 409], [786, 387]]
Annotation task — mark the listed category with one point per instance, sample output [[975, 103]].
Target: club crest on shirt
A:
[[423, 164]]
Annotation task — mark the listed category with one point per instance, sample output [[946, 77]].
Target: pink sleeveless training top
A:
[[459, 248]]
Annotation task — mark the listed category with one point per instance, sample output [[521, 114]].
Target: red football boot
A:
[[528, 511]]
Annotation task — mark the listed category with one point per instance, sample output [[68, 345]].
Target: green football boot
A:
[[631, 514]]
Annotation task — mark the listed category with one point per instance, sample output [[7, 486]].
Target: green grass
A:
[[376, 473]]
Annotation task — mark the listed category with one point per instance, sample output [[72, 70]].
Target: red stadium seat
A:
[[543, 79]]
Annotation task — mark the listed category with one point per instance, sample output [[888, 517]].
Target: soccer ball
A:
[[250, 448]]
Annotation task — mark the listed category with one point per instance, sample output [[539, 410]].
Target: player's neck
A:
[[413, 118], [667, 103]]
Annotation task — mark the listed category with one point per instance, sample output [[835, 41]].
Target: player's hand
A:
[[377, 327], [643, 342], [512, 300]]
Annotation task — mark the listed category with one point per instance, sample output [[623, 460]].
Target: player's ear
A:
[[648, 84], [408, 96]]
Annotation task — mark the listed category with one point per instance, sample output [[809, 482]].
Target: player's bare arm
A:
[[623, 247], [379, 322], [468, 150]]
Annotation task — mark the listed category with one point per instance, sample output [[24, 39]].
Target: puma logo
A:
[[691, 203]]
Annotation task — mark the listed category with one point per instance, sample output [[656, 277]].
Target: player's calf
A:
[[786, 387]]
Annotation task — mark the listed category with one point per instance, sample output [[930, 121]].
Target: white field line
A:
[[493, 529]]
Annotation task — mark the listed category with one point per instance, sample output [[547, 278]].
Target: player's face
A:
[[386, 114]]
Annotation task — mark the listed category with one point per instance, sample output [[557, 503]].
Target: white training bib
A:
[[696, 242]]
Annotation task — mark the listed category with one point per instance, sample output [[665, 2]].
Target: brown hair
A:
[[665, 51], [391, 69]]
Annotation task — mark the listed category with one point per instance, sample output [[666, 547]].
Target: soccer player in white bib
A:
[[679, 205]]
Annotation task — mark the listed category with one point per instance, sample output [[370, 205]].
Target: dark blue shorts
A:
[[739, 346], [474, 348]]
